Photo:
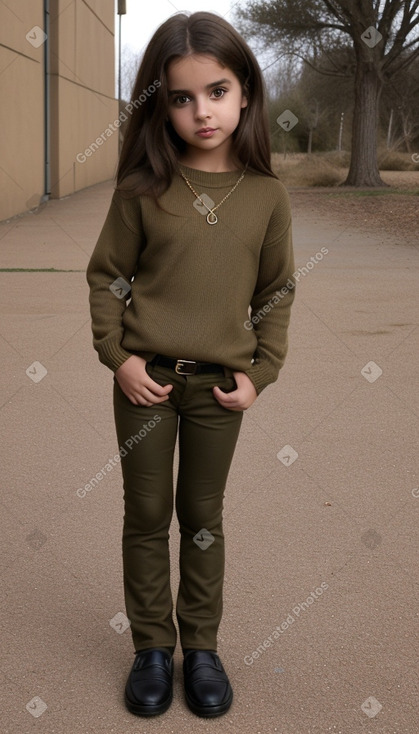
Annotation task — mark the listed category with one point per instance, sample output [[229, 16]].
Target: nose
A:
[[201, 108]]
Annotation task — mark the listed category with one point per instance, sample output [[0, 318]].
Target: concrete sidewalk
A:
[[320, 509]]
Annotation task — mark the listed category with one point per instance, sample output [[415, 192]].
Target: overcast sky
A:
[[143, 17]]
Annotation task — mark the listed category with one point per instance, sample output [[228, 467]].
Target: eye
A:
[[180, 100], [219, 89]]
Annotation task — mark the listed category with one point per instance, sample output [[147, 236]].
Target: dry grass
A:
[[307, 170], [389, 213], [391, 161], [330, 169], [313, 183]]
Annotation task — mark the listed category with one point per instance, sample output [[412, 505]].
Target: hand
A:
[[137, 385], [239, 399]]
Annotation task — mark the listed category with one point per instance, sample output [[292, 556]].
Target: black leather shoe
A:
[[207, 688], [149, 688]]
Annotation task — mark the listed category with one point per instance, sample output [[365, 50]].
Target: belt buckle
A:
[[181, 366]]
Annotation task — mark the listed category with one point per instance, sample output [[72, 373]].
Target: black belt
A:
[[186, 366]]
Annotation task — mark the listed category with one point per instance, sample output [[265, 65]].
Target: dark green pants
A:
[[207, 438]]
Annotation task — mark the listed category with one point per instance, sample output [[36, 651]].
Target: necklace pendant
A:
[[212, 218]]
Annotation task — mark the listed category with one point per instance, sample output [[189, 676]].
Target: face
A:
[[204, 94]]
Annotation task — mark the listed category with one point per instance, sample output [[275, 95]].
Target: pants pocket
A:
[[228, 384]]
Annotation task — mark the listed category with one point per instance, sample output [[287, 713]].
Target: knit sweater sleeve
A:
[[109, 273], [273, 295]]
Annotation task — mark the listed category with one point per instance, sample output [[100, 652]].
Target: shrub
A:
[[341, 159], [309, 171], [391, 161]]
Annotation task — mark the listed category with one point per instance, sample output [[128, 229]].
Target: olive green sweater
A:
[[192, 283]]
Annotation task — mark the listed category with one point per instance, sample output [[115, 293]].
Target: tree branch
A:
[[388, 15], [335, 11], [405, 62], [406, 26]]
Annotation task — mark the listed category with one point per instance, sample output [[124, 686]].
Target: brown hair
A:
[[151, 146]]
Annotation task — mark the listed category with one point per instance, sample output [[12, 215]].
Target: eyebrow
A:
[[208, 86]]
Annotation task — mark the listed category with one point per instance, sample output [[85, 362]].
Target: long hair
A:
[[151, 146]]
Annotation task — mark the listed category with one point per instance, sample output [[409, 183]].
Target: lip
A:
[[206, 131]]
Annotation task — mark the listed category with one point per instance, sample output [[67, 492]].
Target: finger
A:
[[218, 394], [140, 400], [227, 400], [152, 391], [140, 397], [146, 397], [231, 400], [155, 389], [156, 398], [227, 395]]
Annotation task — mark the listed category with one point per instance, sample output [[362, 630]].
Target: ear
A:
[[245, 96]]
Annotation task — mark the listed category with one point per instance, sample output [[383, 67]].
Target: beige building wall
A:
[[21, 108], [82, 94], [82, 99]]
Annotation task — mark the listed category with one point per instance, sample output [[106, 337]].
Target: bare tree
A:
[[385, 39], [131, 60], [327, 98], [401, 97]]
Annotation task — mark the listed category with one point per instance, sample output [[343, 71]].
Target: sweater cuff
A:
[[262, 374], [112, 354]]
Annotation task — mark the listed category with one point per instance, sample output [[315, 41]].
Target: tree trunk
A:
[[363, 170], [407, 131], [310, 140]]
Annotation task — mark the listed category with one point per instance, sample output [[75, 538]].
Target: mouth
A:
[[206, 131]]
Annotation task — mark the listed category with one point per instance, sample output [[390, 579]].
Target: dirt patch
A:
[[393, 210]]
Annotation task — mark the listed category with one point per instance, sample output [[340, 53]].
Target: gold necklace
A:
[[211, 216]]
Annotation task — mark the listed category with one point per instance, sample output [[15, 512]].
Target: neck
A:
[[209, 164]]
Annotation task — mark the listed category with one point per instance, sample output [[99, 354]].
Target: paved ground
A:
[[320, 546]]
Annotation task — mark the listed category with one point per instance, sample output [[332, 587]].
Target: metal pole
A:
[[121, 11], [389, 131], [47, 127], [341, 131]]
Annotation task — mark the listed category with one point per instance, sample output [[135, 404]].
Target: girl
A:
[[198, 232]]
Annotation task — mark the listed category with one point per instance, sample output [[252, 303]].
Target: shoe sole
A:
[[207, 712], [141, 710]]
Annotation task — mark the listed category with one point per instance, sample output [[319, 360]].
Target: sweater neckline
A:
[[210, 179]]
